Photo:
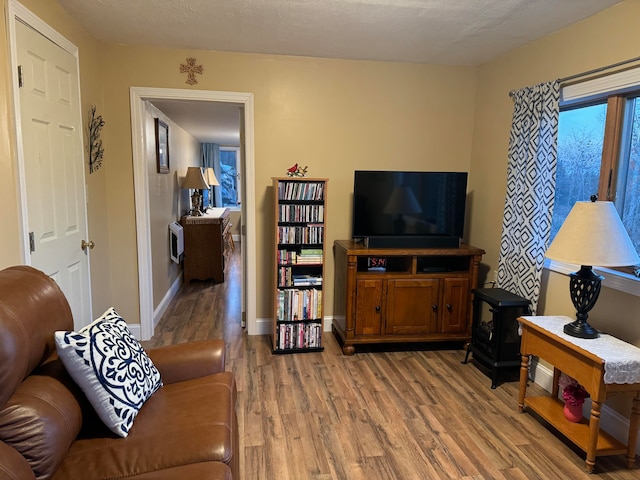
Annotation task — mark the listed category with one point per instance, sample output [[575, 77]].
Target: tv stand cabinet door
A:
[[455, 305], [412, 306], [369, 306]]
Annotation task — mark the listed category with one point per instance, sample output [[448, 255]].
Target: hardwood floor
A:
[[413, 414]]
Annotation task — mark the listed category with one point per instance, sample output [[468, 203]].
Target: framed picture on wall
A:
[[162, 146]]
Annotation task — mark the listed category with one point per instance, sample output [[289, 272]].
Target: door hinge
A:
[[20, 77], [32, 242]]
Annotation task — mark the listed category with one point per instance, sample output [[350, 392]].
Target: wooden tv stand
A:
[[392, 295]]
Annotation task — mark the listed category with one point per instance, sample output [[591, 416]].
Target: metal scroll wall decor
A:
[[190, 68], [95, 148]]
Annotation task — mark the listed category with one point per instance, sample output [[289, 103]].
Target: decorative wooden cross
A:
[[190, 68]]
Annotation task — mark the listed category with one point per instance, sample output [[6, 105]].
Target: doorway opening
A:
[[138, 97]]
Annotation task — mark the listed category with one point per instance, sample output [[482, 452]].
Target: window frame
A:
[[615, 89], [237, 207]]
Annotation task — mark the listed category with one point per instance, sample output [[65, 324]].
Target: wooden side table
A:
[[543, 337]]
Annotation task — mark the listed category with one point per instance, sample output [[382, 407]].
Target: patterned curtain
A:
[[531, 178]]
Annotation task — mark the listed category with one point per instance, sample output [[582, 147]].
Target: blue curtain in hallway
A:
[[531, 177], [211, 158]]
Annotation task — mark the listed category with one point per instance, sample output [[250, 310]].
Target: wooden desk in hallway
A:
[[206, 245]]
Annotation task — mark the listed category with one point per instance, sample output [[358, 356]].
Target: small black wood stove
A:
[[495, 342]]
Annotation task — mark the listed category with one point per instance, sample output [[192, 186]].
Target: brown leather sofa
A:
[[186, 430]]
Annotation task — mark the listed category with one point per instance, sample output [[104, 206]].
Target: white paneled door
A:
[[51, 132]]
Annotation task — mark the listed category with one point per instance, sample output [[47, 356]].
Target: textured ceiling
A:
[[450, 32], [208, 122], [447, 32]]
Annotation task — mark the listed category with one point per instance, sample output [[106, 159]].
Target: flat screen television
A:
[[409, 209]]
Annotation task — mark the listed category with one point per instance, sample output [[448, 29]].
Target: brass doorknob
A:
[[88, 245]]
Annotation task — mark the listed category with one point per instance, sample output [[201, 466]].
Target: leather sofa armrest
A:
[[186, 361], [13, 466]]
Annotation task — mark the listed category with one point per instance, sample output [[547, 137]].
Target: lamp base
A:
[[196, 200], [580, 329], [584, 286]]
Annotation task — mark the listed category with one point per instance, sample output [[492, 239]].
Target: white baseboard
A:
[[263, 326], [328, 321], [166, 300], [135, 330], [611, 421], [162, 307]]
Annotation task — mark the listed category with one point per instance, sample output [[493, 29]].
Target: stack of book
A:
[[295, 305], [305, 280], [300, 191], [286, 257], [299, 335], [309, 256], [313, 233]]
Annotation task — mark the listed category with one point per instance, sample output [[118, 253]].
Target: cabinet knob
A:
[[377, 308], [434, 308], [449, 307]]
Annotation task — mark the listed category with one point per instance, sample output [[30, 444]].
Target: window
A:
[[580, 139], [599, 152], [230, 176]]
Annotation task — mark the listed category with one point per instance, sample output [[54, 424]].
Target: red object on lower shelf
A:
[[573, 413]]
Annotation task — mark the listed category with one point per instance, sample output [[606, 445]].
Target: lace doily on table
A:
[[621, 359]]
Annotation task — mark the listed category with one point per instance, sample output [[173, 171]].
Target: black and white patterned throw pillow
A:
[[111, 368]]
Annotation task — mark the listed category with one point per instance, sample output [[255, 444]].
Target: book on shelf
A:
[[310, 234], [287, 257], [299, 305], [306, 280], [308, 260], [310, 255], [288, 190], [310, 251], [299, 336], [301, 213]]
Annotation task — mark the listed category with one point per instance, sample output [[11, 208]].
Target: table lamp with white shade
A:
[[195, 180], [592, 234], [210, 177]]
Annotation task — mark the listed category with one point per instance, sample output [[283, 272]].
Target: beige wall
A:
[[235, 218], [167, 201], [10, 251], [604, 39], [332, 115]]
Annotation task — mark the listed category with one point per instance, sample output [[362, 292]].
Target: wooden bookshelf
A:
[[299, 253]]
